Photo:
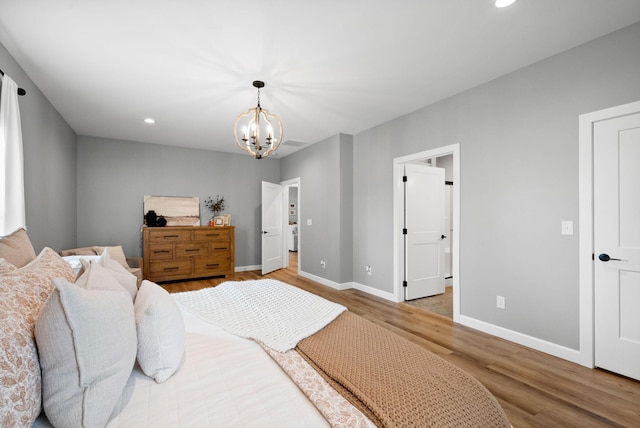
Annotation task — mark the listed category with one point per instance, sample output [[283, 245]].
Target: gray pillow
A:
[[87, 345]]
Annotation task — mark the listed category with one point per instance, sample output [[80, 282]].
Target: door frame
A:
[[585, 221], [398, 215], [294, 182]]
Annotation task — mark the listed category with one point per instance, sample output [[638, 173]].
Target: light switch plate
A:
[[567, 227]]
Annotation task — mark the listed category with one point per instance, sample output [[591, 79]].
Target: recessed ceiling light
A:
[[149, 120], [504, 3]]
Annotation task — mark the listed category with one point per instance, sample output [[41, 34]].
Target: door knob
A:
[[443, 236], [264, 232], [605, 258]]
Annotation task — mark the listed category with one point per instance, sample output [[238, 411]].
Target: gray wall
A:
[[518, 139], [114, 176], [326, 195], [49, 146]]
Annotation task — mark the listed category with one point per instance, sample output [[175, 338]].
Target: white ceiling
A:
[[330, 66]]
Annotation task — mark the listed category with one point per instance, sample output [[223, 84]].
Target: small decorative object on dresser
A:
[[215, 206], [185, 252]]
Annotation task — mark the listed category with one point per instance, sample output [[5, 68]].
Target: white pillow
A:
[[161, 332], [87, 346], [106, 266]]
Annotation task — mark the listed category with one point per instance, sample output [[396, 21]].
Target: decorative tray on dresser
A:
[[185, 252]]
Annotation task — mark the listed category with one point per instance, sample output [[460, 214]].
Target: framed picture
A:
[[218, 220], [177, 210], [292, 212], [226, 220]]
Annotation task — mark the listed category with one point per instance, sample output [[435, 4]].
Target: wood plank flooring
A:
[[535, 389]]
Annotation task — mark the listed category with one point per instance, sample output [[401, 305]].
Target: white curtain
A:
[[12, 211]]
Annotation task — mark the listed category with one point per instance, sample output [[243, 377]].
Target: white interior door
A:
[[424, 222], [272, 222], [616, 154]]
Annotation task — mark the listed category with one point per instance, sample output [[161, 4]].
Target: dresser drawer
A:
[[192, 249], [161, 251], [160, 235], [212, 234], [170, 268], [212, 265]]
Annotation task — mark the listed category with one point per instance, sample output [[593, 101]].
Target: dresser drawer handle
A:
[[170, 236], [191, 250], [171, 268], [161, 251], [213, 235], [212, 265], [219, 248]]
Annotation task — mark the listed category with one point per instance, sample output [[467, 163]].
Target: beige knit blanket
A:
[[395, 382]]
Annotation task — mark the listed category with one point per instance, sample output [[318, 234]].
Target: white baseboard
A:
[[247, 268], [374, 291], [325, 281], [559, 351]]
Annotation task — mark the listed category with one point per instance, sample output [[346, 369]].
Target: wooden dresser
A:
[[185, 252]]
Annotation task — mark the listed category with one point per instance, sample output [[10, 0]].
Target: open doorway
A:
[[448, 158], [292, 217]]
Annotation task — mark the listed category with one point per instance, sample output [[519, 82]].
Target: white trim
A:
[[376, 292], [523, 339], [247, 268], [324, 281], [347, 285], [585, 219], [398, 203]]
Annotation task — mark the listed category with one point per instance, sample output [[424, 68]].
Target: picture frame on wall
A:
[[177, 210]]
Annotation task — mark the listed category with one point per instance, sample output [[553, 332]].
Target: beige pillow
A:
[[116, 253], [22, 293], [106, 266], [96, 276], [83, 251], [87, 344], [16, 248], [161, 332]]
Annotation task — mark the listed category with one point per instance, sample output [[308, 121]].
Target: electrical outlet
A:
[[500, 302], [367, 269], [323, 263]]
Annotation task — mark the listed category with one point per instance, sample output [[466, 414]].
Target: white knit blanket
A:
[[272, 312]]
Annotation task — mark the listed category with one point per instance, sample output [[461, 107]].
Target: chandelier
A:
[[255, 123]]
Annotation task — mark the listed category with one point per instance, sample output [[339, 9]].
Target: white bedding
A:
[[270, 311], [224, 381]]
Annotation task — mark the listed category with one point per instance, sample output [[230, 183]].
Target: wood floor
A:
[[535, 389]]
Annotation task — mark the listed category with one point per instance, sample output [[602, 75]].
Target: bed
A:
[[94, 351]]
